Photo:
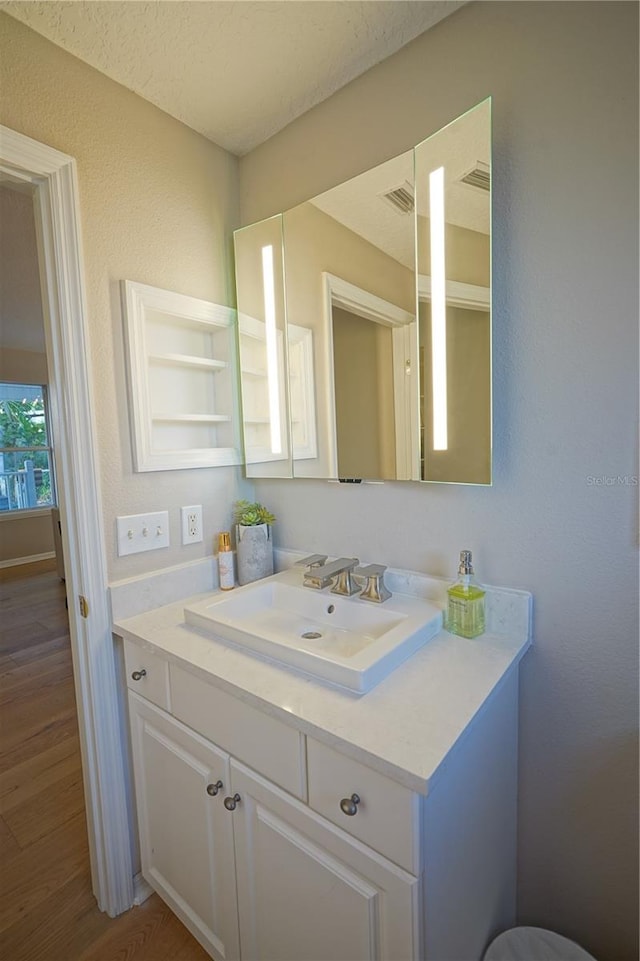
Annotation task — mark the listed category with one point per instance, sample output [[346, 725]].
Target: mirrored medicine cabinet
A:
[[364, 321]]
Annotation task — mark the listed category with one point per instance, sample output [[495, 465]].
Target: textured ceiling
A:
[[237, 72]]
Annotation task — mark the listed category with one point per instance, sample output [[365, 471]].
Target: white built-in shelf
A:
[[191, 418], [183, 404], [182, 360]]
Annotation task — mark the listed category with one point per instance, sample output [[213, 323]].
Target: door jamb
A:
[[56, 205]]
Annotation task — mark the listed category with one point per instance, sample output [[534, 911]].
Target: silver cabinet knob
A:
[[138, 675], [231, 802], [212, 789], [349, 805]]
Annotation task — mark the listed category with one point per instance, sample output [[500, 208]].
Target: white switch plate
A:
[[142, 532], [191, 518]]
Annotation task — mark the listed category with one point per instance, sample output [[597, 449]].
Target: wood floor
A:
[[47, 910]]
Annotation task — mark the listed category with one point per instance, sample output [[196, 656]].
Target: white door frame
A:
[[66, 330]]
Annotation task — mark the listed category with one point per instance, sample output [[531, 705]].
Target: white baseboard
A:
[[15, 561], [141, 889]]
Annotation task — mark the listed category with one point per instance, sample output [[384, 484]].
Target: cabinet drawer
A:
[[262, 742], [154, 683], [387, 815]]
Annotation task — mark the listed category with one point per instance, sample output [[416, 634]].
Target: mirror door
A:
[[453, 247]]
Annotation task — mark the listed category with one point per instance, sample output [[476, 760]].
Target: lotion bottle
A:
[[465, 602], [225, 562]]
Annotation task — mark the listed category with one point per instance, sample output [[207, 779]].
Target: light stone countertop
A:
[[405, 727]]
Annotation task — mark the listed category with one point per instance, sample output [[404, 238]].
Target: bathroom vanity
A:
[[282, 818]]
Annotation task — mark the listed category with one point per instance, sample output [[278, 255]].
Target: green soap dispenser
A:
[[465, 602]]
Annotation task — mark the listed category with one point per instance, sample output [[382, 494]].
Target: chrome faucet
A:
[[319, 575]]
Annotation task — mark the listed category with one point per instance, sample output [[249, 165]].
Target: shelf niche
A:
[[182, 367]]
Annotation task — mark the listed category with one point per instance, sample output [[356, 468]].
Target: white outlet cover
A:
[[142, 532], [191, 522]]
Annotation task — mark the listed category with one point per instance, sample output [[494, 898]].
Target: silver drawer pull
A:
[[212, 789], [138, 675], [231, 802], [349, 805]]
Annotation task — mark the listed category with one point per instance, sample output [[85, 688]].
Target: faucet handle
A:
[[314, 560], [344, 583], [375, 588]]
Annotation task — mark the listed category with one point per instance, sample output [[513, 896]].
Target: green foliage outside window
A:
[[23, 426], [22, 423]]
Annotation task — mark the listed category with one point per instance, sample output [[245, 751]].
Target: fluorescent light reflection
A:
[[273, 381], [438, 310]]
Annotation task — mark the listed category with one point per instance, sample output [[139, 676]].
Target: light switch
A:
[[142, 532]]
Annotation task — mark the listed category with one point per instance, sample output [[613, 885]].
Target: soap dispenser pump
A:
[[465, 602]]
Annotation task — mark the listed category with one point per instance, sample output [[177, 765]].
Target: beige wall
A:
[[25, 537], [467, 253], [21, 322], [23, 366], [560, 519], [158, 204]]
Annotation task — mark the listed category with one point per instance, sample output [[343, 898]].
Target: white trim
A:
[[66, 328], [31, 559], [141, 890], [469, 296], [14, 515], [346, 295]]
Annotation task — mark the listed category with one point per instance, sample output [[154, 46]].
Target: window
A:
[[26, 462]]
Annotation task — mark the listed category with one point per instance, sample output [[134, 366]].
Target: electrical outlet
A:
[[191, 524], [142, 532]]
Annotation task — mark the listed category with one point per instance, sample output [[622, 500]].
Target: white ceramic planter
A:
[[254, 552]]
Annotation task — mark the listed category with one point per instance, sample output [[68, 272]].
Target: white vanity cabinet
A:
[[186, 835], [272, 845], [252, 870]]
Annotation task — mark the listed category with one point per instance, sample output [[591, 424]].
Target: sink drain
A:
[[311, 635]]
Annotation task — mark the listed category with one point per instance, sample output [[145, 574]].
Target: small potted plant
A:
[[253, 541]]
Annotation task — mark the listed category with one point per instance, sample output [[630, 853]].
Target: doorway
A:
[[52, 176]]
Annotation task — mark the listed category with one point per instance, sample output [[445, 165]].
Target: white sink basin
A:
[[343, 640]]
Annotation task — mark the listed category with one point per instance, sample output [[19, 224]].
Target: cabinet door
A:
[[186, 836], [307, 891]]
